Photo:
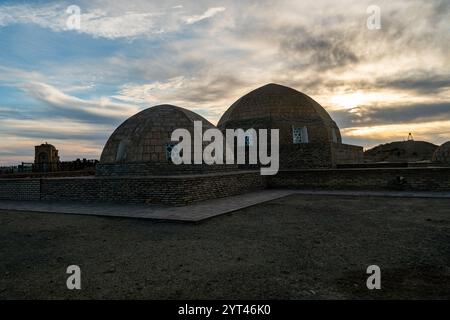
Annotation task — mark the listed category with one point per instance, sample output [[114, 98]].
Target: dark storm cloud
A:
[[421, 83], [441, 8], [303, 49]]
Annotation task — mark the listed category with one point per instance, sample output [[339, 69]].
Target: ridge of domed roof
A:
[[190, 115], [146, 131], [269, 97]]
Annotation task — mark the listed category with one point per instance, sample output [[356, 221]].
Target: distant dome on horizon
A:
[[401, 151], [442, 154]]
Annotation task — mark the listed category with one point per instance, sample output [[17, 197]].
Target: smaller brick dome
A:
[[442, 154], [144, 137]]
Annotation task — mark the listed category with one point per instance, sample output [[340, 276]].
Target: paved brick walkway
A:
[[192, 213], [195, 212]]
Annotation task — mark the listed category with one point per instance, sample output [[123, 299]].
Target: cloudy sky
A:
[[72, 87]]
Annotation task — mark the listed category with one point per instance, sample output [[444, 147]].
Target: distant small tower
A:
[[46, 158], [410, 137]]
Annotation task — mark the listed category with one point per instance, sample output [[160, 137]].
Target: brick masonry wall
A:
[[307, 155], [171, 190], [347, 154], [186, 189], [20, 189], [419, 179], [151, 168]]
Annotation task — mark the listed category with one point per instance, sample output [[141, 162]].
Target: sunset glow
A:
[[74, 86]]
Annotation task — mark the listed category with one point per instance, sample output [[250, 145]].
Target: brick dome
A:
[[277, 106], [145, 136], [442, 154]]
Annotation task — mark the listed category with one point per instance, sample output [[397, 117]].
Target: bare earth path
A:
[[297, 247]]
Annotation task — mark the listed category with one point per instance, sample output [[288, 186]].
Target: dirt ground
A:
[[298, 247]]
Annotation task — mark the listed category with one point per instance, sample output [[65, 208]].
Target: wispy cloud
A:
[[211, 12], [96, 22], [59, 100], [105, 22]]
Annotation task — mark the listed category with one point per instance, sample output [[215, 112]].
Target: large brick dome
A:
[[442, 154], [145, 136], [277, 106]]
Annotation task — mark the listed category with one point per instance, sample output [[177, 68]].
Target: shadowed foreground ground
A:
[[298, 247]]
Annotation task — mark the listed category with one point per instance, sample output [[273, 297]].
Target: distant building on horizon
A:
[[46, 158]]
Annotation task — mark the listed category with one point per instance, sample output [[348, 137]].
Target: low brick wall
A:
[[170, 190], [347, 154], [22, 175], [420, 179], [150, 168], [306, 155], [185, 189], [20, 189]]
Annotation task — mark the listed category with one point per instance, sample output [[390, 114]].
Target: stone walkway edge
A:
[[195, 212]]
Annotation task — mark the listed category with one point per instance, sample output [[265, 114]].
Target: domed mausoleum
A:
[[142, 144], [136, 165], [442, 154], [309, 138]]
